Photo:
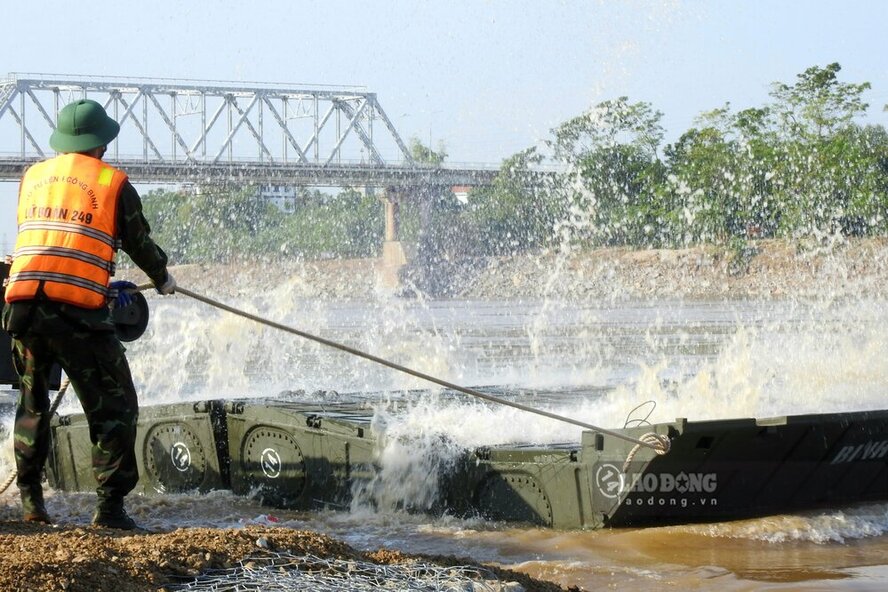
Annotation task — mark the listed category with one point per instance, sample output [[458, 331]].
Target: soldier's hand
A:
[[169, 286], [124, 291]]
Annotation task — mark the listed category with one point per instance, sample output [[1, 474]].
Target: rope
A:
[[52, 409], [9, 481], [642, 420], [58, 399], [660, 444]]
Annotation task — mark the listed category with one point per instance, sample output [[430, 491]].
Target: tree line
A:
[[803, 165]]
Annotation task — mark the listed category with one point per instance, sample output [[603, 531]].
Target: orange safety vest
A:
[[67, 231]]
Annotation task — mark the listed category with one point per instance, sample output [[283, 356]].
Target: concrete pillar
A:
[[393, 256], [392, 219]]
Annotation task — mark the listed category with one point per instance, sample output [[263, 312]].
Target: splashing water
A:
[[589, 360], [836, 526], [700, 360]]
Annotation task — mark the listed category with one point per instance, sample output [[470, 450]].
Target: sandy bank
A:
[[765, 269]]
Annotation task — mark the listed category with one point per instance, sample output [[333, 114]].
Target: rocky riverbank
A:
[[73, 558], [763, 269], [766, 269]]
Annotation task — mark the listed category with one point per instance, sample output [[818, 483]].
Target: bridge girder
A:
[[196, 123], [309, 175], [271, 133]]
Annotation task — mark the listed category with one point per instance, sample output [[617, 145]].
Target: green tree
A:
[[210, 223], [611, 151], [718, 187], [424, 154], [817, 105], [349, 224], [518, 212], [225, 223], [823, 170]]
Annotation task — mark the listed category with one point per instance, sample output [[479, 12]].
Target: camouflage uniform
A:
[[83, 343], [97, 367]]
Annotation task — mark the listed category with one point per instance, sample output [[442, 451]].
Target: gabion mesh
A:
[[282, 571]]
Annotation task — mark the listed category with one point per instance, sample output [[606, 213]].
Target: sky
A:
[[485, 78]]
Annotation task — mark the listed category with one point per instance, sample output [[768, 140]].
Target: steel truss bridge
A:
[[178, 131]]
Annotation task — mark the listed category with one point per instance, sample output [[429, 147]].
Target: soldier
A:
[[74, 212]]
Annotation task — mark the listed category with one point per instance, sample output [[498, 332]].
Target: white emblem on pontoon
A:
[[271, 463], [180, 456], [610, 480]]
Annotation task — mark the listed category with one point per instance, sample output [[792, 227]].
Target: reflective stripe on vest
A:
[[26, 276], [68, 227], [65, 252], [67, 222]]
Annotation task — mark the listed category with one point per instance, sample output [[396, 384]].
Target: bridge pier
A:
[[392, 216], [393, 255]]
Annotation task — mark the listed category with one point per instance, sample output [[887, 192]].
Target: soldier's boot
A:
[[33, 508], [111, 514]]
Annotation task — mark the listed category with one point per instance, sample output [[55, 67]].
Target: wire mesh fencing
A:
[[276, 572]]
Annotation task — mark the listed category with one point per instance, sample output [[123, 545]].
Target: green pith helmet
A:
[[83, 125]]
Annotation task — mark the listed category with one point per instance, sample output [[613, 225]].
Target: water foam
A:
[[817, 361], [833, 526]]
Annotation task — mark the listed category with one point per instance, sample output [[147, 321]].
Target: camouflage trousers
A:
[[96, 365]]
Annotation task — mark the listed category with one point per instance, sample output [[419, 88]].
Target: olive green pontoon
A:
[[306, 455]]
